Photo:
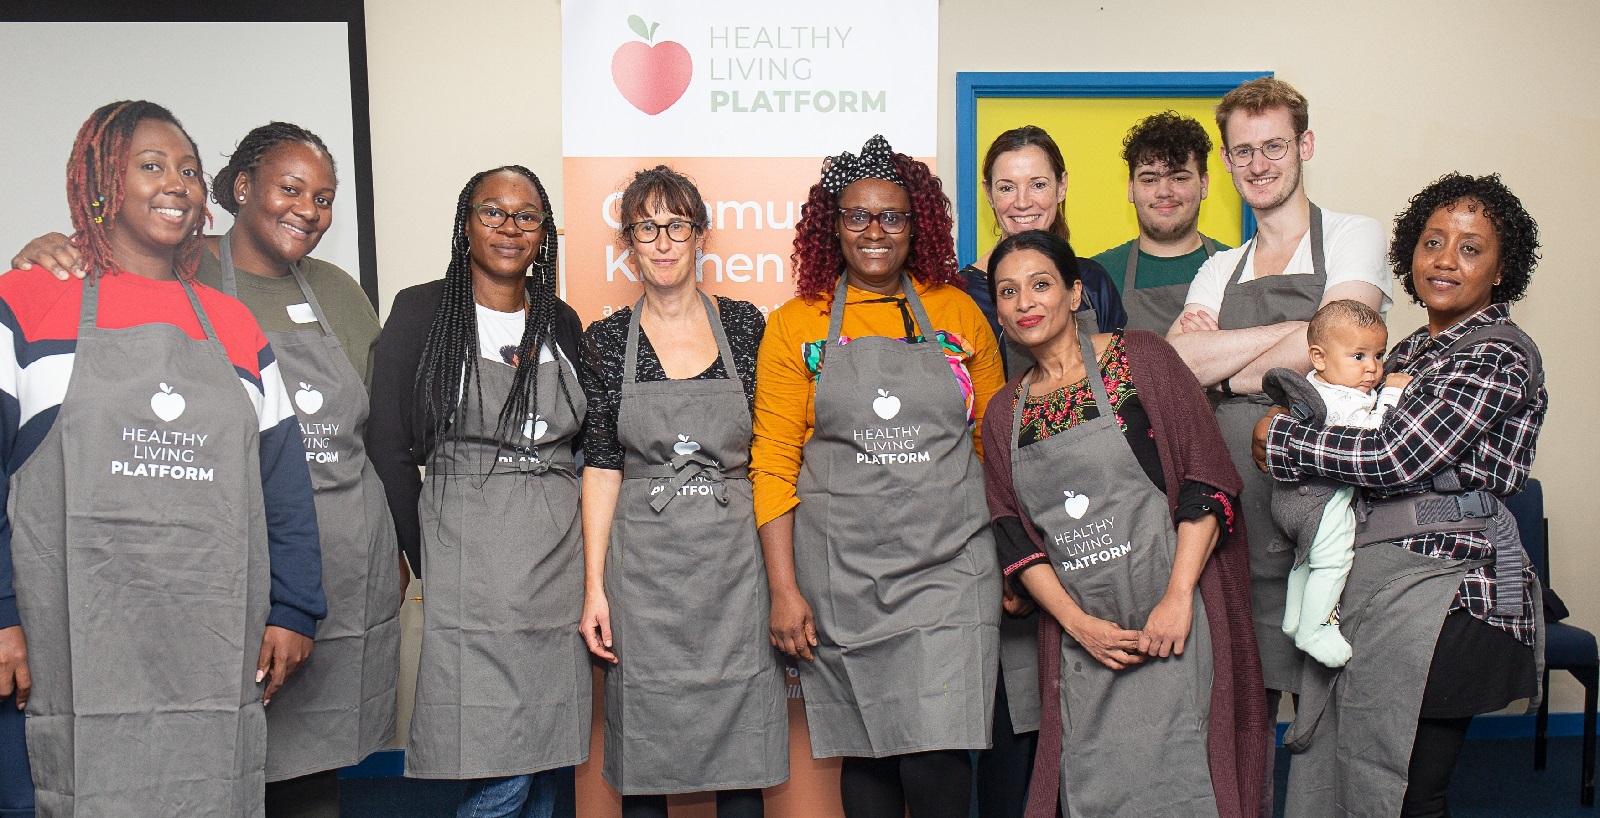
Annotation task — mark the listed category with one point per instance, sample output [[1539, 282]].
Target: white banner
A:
[[746, 98]]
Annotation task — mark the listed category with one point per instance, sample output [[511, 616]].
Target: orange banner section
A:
[[753, 203], [811, 792]]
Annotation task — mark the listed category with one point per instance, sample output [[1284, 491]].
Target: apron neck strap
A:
[[1091, 371], [1319, 260], [1211, 246], [89, 306], [1130, 274], [630, 353], [230, 281], [907, 291]]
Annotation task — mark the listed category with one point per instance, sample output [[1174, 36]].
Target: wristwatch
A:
[[1224, 388]]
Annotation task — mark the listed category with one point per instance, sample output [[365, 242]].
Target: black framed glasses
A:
[[678, 230], [857, 219], [1272, 149], [492, 216]]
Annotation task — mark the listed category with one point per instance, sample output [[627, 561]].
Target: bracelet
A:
[[1225, 388]]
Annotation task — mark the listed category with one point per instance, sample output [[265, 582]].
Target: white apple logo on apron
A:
[[1077, 505], [886, 405], [685, 445], [167, 404], [535, 427], [309, 400]]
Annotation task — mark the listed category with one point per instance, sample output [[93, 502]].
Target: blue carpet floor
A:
[[1495, 779]]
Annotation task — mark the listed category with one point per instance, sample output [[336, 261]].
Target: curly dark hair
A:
[[1517, 231], [1169, 138], [818, 260], [253, 149]]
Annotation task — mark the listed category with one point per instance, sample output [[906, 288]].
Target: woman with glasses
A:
[[675, 601], [473, 380], [869, 492]]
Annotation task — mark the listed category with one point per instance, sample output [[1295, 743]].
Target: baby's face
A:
[[1352, 356]]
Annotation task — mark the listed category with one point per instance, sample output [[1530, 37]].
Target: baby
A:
[[1347, 341]]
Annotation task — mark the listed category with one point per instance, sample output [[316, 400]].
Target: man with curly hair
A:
[[1247, 311], [1167, 180]]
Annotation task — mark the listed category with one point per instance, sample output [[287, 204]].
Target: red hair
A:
[[94, 184], [818, 261]]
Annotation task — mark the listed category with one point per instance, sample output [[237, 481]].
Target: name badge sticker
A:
[[302, 314]]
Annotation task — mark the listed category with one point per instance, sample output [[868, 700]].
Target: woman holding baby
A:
[[1442, 619], [1113, 499]]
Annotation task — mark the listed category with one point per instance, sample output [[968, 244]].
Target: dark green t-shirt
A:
[[1155, 271], [275, 303]]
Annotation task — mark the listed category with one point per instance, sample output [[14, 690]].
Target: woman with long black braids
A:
[[503, 687], [280, 184]]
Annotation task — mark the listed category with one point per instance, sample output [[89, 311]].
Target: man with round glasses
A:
[[1247, 311]]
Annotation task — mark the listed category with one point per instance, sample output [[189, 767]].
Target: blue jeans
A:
[[517, 796]]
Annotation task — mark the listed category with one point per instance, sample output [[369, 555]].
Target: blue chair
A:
[[1568, 648]]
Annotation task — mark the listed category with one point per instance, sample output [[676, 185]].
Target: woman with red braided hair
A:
[[868, 490], [159, 560], [280, 184]]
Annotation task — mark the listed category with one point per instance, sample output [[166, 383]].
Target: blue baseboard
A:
[[1506, 726], [393, 762], [378, 765]]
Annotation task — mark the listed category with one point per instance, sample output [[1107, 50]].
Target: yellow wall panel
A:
[[1090, 132]]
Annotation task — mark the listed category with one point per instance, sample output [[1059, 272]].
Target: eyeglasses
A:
[[1272, 149], [858, 219], [491, 216], [677, 230]]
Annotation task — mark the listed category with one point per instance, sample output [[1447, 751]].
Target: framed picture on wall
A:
[[1088, 114]]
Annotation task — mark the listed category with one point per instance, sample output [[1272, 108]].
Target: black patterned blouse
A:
[[605, 342]]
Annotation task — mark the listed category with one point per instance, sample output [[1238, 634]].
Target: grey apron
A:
[[1259, 302], [1155, 308], [1354, 727], [340, 705], [139, 540], [892, 550], [1134, 741], [697, 701], [504, 679]]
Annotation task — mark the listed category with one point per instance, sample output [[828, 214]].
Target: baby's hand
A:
[[1397, 380]]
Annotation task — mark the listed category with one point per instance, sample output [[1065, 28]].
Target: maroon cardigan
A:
[[1191, 448]]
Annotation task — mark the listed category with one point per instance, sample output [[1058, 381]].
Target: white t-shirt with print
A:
[[1353, 246], [500, 333]]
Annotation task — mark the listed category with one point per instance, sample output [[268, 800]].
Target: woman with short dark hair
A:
[[676, 595], [1460, 636]]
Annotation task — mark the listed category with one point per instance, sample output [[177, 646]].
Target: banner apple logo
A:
[[1076, 505], [651, 77], [167, 404], [886, 405], [309, 400]]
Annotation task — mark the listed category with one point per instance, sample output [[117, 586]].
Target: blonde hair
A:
[[1260, 95], [1344, 312]]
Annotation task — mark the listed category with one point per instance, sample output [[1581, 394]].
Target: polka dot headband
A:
[[875, 162]]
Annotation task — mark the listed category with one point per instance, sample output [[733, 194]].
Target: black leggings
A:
[[730, 804], [1003, 771], [1433, 758], [935, 784]]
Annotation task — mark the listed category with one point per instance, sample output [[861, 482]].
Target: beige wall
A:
[[1401, 91]]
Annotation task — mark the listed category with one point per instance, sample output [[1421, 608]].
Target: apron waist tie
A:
[[683, 469], [1432, 512]]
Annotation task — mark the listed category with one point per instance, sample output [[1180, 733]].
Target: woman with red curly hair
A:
[[869, 493]]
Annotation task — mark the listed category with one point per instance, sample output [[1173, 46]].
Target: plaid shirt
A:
[[1454, 414]]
